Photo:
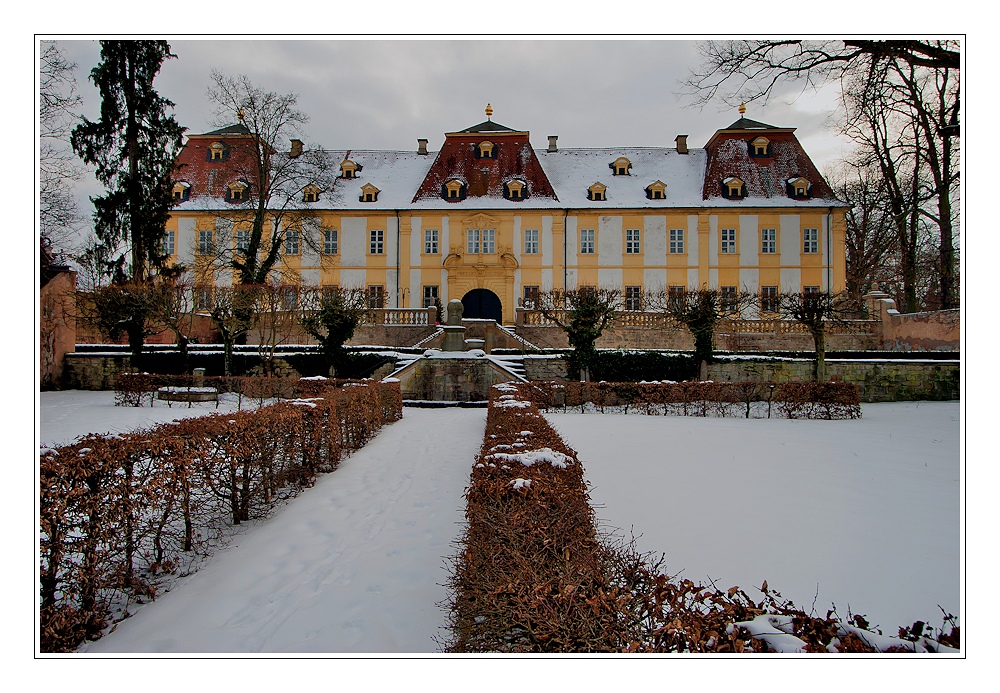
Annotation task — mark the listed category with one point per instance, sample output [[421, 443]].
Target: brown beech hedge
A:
[[117, 512], [534, 574]]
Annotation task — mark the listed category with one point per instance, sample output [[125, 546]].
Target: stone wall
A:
[[89, 371], [879, 381], [939, 330], [450, 379]]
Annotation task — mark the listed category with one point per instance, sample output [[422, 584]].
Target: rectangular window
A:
[[430, 296], [631, 241], [728, 241], [430, 241], [675, 295], [489, 241], [167, 246], [768, 241], [376, 297], [768, 299], [633, 298], [728, 299], [810, 240], [330, 242], [531, 241], [329, 292], [586, 241], [676, 241], [242, 240], [205, 242], [291, 242], [289, 298], [376, 241], [203, 298], [530, 297], [472, 241]]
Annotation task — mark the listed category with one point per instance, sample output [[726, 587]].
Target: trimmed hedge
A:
[[117, 512]]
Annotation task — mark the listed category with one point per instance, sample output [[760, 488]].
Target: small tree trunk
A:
[[819, 337]]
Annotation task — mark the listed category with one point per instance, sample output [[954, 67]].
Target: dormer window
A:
[[621, 166], [598, 192], [760, 147], [733, 188], [515, 190], [369, 193], [310, 193], [656, 190], [218, 152], [349, 169], [453, 190], [487, 150], [237, 192], [181, 191], [799, 188]]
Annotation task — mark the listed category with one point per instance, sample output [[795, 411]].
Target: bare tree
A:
[[816, 311], [58, 167], [745, 71], [700, 311], [176, 311], [870, 230], [275, 316], [229, 309], [582, 314], [901, 106], [273, 214]]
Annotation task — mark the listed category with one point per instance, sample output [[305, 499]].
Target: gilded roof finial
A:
[[489, 111], [743, 108]]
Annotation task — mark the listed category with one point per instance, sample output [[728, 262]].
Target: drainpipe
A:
[[565, 237], [829, 251]]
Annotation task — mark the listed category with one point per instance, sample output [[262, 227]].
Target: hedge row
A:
[[746, 399], [118, 512], [534, 574]]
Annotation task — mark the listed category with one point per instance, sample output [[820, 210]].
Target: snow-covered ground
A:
[[865, 511], [355, 564], [863, 514]]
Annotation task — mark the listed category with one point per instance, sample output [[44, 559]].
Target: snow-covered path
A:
[[354, 564]]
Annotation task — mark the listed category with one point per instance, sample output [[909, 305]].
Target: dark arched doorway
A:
[[482, 303]]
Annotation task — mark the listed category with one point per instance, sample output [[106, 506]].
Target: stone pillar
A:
[[454, 331]]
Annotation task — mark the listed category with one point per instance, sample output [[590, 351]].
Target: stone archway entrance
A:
[[482, 303]]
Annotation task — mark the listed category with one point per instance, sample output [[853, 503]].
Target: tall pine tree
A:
[[132, 147]]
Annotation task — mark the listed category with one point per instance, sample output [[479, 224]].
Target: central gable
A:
[[488, 160]]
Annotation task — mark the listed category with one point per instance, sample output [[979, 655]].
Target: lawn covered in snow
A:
[[863, 514]]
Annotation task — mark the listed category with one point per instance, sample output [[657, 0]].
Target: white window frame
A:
[[727, 240], [430, 241], [376, 242], [633, 241], [768, 241], [633, 298], [810, 241], [489, 241], [430, 294], [167, 246], [205, 242], [292, 246], [676, 241], [242, 237], [531, 241], [331, 243], [587, 239], [472, 237], [768, 299]]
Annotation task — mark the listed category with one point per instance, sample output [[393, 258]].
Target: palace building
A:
[[490, 220]]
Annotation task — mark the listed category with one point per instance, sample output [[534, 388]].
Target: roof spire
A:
[[489, 111], [743, 108]]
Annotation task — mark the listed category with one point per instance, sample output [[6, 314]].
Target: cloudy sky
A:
[[384, 94]]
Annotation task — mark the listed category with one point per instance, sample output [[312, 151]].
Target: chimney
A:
[[682, 144], [552, 143], [296, 148], [421, 146]]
